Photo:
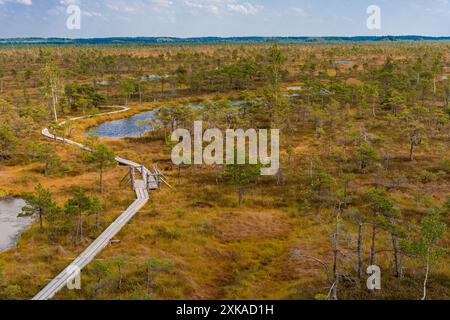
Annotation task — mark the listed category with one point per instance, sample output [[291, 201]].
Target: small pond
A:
[[11, 226], [294, 88], [126, 127], [131, 127], [344, 62]]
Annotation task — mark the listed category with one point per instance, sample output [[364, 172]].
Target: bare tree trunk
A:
[[397, 266], [54, 101], [360, 250], [335, 259], [149, 280], [372, 249], [411, 152], [336, 279], [426, 276], [97, 219], [41, 223], [101, 179], [75, 238], [241, 195], [81, 228], [280, 178]]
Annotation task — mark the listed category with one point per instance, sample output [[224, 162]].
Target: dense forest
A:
[[364, 177]]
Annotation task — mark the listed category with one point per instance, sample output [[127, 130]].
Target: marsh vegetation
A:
[[364, 177]]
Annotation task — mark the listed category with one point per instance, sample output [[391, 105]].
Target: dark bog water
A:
[[130, 127], [11, 226], [126, 127], [344, 62]]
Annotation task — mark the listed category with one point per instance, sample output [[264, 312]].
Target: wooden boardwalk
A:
[[140, 186]]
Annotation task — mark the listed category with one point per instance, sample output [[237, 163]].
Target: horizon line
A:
[[229, 37]]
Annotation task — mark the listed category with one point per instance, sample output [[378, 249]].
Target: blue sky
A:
[[190, 18]]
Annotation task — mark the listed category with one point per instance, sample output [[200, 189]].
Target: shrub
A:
[[445, 166], [426, 176], [169, 233], [12, 292], [207, 228]]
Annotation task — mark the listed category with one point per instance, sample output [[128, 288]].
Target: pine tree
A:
[[39, 203], [103, 157]]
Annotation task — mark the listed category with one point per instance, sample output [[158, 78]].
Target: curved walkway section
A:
[[142, 197]]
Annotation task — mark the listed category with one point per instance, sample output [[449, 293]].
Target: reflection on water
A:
[[130, 127], [135, 126], [11, 226], [126, 127]]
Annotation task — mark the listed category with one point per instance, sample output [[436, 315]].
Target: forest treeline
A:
[[204, 40]]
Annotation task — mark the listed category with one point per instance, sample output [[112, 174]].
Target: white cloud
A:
[[218, 7], [92, 14], [208, 5], [162, 10], [161, 3], [135, 6], [244, 8], [68, 2], [122, 6], [300, 12], [24, 2]]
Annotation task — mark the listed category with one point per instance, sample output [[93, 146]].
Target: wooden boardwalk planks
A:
[[140, 188]]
